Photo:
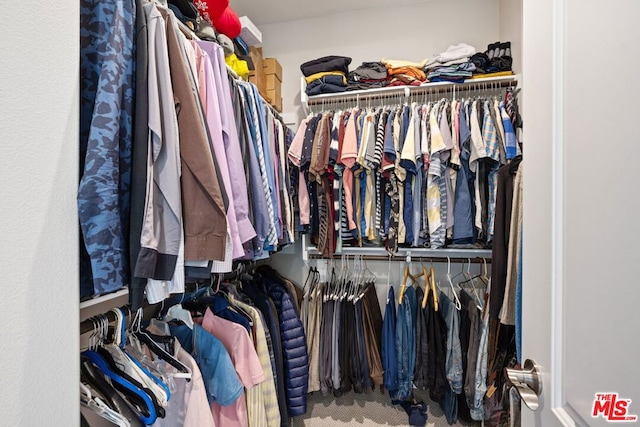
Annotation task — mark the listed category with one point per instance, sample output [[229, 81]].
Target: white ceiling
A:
[[264, 12]]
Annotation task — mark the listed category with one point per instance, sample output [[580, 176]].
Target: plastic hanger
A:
[[484, 277], [141, 401], [178, 313], [142, 335], [98, 360], [96, 405], [131, 367]]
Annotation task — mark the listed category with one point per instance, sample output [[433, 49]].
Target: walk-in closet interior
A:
[[292, 213], [351, 254]]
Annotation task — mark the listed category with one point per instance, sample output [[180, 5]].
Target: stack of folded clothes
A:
[[367, 76], [403, 73], [452, 65], [326, 75], [496, 61]]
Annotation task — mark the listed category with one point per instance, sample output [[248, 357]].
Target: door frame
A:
[[543, 253]]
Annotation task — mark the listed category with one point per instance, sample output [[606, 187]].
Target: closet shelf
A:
[[104, 298], [406, 91]]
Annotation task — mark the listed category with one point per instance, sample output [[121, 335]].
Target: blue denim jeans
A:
[[449, 405], [389, 358], [406, 343], [453, 365], [477, 411]]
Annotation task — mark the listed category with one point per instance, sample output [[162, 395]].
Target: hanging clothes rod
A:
[[88, 325], [409, 254], [419, 258], [486, 84]]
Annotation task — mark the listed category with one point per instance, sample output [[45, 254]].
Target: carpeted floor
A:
[[372, 409]]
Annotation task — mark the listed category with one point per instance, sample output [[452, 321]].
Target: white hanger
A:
[[96, 405], [455, 294], [179, 313], [118, 334], [85, 391], [127, 364]]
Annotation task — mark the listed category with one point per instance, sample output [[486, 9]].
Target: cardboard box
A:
[[257, 77], [272, 81], [274, 96], [272, 66], [277, 104]]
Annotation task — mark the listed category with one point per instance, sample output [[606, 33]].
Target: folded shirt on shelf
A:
[[369, 71], [461, 50], [367, 84], [404, 80], [407, 72], [433, 65], [447, 79], [330, 74], [452, 72], [317, 76], [326, 64], [397, 63], [327, 84]]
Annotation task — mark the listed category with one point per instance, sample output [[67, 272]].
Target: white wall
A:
[[413, 33], [510, 25], [38, 173]]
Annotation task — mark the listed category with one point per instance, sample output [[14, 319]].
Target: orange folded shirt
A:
[[414, 72]]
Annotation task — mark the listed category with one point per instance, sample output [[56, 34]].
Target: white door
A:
[[581, 285]]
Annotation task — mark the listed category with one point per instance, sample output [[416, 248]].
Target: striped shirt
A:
[[490, 137]]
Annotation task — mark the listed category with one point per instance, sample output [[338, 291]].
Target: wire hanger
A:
[[455, 294]]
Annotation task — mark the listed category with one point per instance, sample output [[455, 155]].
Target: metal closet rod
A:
[[417, 258], [151, 309], [88, 326], [408, 91]]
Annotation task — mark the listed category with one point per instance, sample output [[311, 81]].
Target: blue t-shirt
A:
[[220, 378]]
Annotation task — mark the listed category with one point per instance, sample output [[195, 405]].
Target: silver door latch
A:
[[526, 382]]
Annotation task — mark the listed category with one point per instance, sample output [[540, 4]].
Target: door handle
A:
[[526, 382]]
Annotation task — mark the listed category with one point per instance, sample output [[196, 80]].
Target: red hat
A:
[[211, 9], [228, 23]]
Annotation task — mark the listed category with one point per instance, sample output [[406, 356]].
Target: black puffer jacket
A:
[[294, 348]]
